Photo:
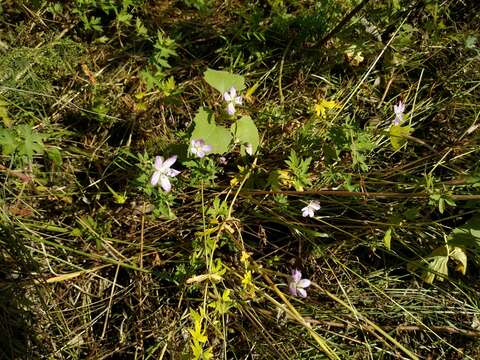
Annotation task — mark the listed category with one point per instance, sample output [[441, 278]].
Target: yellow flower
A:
[[323, 105]]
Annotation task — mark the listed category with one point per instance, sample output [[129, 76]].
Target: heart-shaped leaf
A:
[[398, 135], [224, 80], [245, 132], [214, 135]]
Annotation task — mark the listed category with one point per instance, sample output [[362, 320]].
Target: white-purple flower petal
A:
[[296, 275], [398, 110], [315, 205], [231, 108], [155, 178], [304, 283], [169, 162], [297, 285], [165, 183], [172, 172], [302, 292], [163, 172], [292, 288], [231, 98], [310, 209], [207, 148], [199, 148], [158, 162]]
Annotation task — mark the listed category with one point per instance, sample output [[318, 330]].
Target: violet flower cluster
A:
[[198, 147], [232, 99]]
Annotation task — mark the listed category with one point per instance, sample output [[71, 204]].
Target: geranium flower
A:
[[298, 285], [231, 98], [398, 110], [310, 209], [199, 148], [163, 172]]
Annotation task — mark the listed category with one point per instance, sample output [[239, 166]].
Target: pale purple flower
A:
[[297, 285], [310, 209], [163, 172], [231, 98], [199, 148], [398, 110], [223, 160]]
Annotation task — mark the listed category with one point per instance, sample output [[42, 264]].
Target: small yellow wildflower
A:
[[323, 105]]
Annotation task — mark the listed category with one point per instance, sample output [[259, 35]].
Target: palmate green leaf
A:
[[206, 129], [398, 135], [224, 80], [32, 143], [8, 141], [245, 132]]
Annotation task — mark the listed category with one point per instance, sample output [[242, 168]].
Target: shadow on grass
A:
[[17, 339]]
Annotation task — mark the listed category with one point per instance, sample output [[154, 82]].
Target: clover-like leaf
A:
[[216, 136], [437, 262], [460, 257], [245, 132], [223, 81]]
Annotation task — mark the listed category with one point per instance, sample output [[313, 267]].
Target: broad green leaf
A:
[[206, 129], [398, 135], [467, 235], [245, 132], [224, 80]]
